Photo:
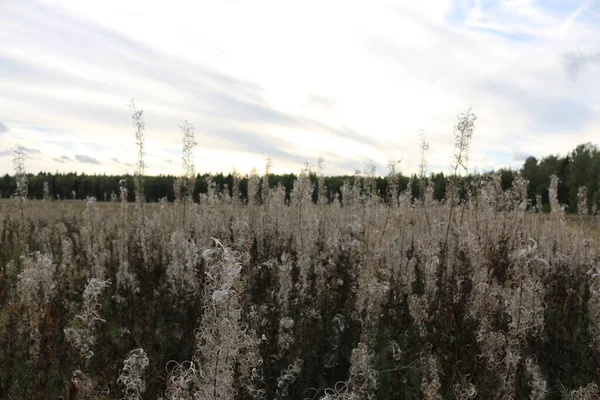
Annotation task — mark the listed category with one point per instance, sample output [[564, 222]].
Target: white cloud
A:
[[350, 81]]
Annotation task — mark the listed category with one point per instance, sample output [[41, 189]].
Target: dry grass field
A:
[[360, 299]]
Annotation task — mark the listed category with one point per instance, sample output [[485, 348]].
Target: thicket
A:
[[475, 296]]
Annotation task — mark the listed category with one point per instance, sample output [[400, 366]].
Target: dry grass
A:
[[271, 299]]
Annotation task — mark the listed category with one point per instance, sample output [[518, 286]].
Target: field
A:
[[273, 298]]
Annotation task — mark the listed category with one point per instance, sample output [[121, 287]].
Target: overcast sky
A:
[[349, 81]]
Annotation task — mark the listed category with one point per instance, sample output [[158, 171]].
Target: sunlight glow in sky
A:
[[349, 81]]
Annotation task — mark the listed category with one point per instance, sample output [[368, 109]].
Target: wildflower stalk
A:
[[140, 169], [188, 180], [21, 180]]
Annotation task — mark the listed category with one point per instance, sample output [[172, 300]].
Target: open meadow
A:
[[301, 299], [426, 225]]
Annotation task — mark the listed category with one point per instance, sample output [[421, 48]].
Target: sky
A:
[[350, 81]]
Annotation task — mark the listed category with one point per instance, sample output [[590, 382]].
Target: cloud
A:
[[62, 159], [511, 20], [3, 127], [259, 94], [213, 92], [115, 160], [69, 145], [546, 114], [8, 153], [29, 150], [575, 62], [322, 102], [223, 98], [570, 19], [519, 156], [252, 141], [82, 158]]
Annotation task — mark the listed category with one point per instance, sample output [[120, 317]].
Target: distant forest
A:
[[580, 167]]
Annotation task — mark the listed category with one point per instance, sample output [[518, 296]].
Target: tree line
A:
[[579, 168]]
